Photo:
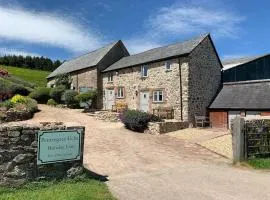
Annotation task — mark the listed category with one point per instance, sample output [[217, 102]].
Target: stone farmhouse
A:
[[184, 76], [245, 91], [85, 71]]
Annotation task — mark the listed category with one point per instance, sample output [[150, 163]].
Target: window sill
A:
[[110, 82], [120, 97], [168, 70], [158, 102]]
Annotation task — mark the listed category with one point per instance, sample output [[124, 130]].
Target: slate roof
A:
[[88, 60], [228, 64], [158, 53], [243, 95]]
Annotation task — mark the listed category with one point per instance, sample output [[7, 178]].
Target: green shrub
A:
[[19, 81], [21, 102], [63, 79], [86, 96], [69, 98], [57, 92], [7, 104], [18, 99], [51, 102], [19, 89], [137, 120], [41, 94], [31, 105]]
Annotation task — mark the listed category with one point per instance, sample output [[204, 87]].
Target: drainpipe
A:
[[181, 89]]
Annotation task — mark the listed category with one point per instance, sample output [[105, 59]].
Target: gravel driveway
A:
[[141, 166]]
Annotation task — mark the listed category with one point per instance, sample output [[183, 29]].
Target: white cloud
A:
[[46, 29], [190, 19], [6, 51], [140, 45]]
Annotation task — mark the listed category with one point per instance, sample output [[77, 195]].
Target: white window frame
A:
[[168, 63], [110, 77], [120, 93], [157, 94], [143, 69]]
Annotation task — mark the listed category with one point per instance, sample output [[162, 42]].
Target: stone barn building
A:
[[85, 70], [245, 91], [184, 76]]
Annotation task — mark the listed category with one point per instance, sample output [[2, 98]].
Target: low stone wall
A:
[[18, 154], [106, 116], [14, 115], [157, 128]]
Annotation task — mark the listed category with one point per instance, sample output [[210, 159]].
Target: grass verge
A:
[[82, 189], [37, 77], [259, 163]]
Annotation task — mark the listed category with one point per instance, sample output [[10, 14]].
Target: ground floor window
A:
[[120, 92], [158, 96]]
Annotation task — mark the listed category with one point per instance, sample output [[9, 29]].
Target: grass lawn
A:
[[38, 77], [65, 190], [259, 163]]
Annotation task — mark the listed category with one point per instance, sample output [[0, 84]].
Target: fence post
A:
[[238, 140]]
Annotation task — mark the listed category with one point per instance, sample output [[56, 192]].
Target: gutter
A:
[[181, 90]]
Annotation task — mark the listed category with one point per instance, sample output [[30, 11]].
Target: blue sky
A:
[[62, 29]]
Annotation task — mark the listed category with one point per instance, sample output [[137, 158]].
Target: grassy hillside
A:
[[36, 77]]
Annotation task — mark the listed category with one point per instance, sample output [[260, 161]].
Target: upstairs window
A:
[[110, 77], [144, 71], [120, 92], [158, 96], [168, 66]]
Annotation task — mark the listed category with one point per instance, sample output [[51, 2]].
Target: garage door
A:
[[232, 116]]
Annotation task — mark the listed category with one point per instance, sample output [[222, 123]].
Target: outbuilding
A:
[[247, 99]]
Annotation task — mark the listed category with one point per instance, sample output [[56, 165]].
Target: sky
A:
[[64, 29]]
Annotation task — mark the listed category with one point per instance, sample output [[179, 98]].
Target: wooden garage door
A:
[[219, 119]]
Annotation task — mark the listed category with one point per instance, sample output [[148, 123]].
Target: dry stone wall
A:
[[18, 154]]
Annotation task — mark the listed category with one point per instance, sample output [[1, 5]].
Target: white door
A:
[[144, 101], [110, 98], [232, 116]]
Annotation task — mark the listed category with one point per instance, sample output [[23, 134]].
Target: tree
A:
[[63, 79]]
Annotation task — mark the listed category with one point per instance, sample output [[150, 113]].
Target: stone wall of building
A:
[[204, 78], [158, 79], [18, 154], [84, 78]]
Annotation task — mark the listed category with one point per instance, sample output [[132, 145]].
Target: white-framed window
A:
[[120, 92], [144, 71], [158, 96], [110, 77], [168, 65]]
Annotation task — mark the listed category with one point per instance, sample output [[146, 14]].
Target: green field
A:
[[65, 190], [37, 77]]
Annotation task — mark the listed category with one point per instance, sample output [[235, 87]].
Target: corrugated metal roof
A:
[[157, 53], [243, 95], [88, 60]]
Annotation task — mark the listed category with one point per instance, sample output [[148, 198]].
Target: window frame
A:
[[110, 77], [122, 96], [143, 69], [168, 63], [158, 95]]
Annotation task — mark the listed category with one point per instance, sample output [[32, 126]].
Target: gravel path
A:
[[141, 166]]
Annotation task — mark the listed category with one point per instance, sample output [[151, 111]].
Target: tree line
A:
[[30, 62]]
